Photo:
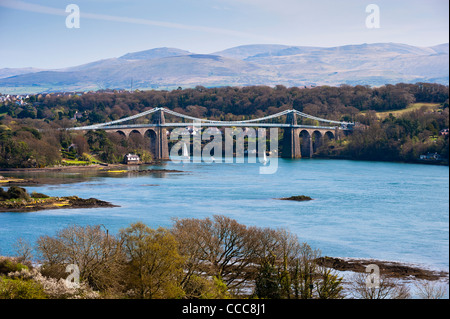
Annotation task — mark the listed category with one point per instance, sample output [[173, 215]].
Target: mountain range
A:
[[168, 68]]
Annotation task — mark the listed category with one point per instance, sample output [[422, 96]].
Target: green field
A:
[[75, 162], [410, 108]]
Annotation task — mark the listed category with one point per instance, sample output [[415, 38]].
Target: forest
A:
[[29, 135]]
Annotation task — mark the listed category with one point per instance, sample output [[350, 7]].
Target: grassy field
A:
[[69, 159], [75, 162], [412, 107]]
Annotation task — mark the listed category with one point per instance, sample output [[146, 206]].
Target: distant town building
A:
[[132, 159], [77, 115], [72, 148]]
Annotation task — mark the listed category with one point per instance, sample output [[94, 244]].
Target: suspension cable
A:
[[96, 126]]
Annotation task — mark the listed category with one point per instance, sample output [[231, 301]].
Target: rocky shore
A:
[[58, 175], [17, 199], [97, 167], [387, 268], [13, 181], [33, 205]]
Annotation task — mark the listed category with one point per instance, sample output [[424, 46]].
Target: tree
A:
[[387, 288], [24, 251], [329, 285], [304, 272], [81, 143], [220, 247], [97, 254], [431, 290], [267, 284], [154, 263]]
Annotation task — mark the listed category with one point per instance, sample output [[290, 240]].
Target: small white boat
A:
[[265, 160], [185, 152]]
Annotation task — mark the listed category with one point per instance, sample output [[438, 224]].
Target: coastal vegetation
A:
[[211, 258], [399, 122], [17, 199]]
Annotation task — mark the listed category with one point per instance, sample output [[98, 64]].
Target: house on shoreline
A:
[[131, 159]]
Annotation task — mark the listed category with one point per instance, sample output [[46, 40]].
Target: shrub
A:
[[199, 287], [15, 192], [20, 289], [3, 195], [8, 265], [38, 195], [55, 288]]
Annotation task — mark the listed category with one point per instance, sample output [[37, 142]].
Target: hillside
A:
[[165, 68]]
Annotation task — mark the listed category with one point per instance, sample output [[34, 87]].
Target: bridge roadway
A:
[[262, 125]]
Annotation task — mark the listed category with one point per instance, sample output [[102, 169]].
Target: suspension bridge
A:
[[298, 140]]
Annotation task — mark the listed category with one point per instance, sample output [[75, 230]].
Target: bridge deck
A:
[[262, 125]]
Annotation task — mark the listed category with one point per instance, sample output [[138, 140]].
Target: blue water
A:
[[388, 211]]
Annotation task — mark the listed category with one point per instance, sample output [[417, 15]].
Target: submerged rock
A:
[[300, 198]]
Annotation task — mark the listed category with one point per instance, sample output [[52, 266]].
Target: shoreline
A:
[[8, 178], [67, 168], [68, 202], [402, 271], [420, 162], [101, 167], [391, 269]]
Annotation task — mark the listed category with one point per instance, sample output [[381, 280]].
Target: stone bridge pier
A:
[[304, 142]]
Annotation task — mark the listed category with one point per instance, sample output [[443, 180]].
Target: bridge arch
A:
[[317, 139], [122, 133], [135, 131], [152, 136], [305, 140], [330, 135]]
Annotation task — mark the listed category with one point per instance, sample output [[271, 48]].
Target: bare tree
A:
[[97, 254], [24, 251], [305, 271], [220, 247], [431, 290], [387, 288]]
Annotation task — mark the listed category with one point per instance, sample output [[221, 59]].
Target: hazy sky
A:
[[33, 33]]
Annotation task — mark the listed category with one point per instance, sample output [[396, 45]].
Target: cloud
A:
[[24, 6]]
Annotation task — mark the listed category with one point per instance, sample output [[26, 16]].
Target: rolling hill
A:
[[164, 68]]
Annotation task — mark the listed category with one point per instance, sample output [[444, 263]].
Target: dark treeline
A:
[[401, 138], [338, 103], [404, 138]]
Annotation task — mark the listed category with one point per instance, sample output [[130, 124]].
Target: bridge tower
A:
[[162, 147], [291, 142]]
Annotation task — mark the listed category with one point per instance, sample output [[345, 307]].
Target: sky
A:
[[33, 33]]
